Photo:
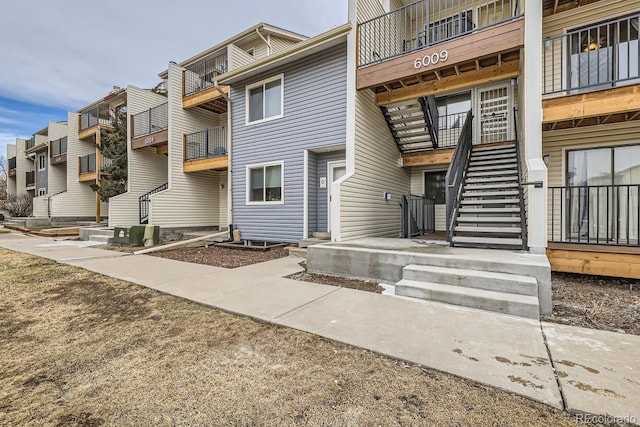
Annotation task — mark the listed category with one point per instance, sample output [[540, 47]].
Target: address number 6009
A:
[[432, 59]]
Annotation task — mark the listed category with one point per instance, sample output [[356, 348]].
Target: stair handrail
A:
[[143, 202], [49, 201], [456, 172], [523, 216]]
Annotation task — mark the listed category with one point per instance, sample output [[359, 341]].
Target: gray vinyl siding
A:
[[147, 169], [322, 205], [313, 186], [314, 117], [42, 176]]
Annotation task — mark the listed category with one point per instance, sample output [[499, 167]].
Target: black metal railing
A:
[[59, 147], [523, 215], [200, 76], [145, 200], [12, 163], [596, 57], [449, 129], [87, 164], [50, 202], [418, 215], [31, 142], [595, 214], [205, 144], [98, 115], [456, 172], [30, 178], [153, 120], [427, 23], [105, 162]]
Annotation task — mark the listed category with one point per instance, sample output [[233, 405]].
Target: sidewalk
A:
[[598, 371]]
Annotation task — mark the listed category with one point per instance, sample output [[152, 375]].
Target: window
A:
[[452, 110], [42, 162], [42, 191], [434, 186], [264, 100], [265, 183]]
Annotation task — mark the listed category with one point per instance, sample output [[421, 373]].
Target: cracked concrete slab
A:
[[599, 371]]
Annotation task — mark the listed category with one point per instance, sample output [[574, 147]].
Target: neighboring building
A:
[[37, 152], [179, 143], [12, 171], [85, 164]]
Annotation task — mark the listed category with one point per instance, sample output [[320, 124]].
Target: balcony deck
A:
[[56, 160], [212, 99], [150, 128], [213, 163]]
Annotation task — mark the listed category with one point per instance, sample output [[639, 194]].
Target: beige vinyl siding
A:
[[146, 169], [23, 165], [11, 180], [556, 143], [79, 200], [368, 9], [279, 43], [238, 57], [192, 198], [364, 211], [57, 173], [222, 179], [40, 206]]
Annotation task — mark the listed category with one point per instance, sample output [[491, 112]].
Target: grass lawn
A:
[[78, 348]]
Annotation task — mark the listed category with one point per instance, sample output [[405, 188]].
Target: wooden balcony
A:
[[212, 99], [12, 166], [150, 128], [91, 120], [206, 150], [58, 151], [199, 88]]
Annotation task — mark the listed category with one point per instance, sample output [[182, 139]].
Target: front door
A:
[[494, 111], [336, 171]]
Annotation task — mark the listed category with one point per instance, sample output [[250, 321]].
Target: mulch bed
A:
[[222, 257], [343, 282]]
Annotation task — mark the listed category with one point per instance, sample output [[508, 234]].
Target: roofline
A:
[[111, 95], [235, 38], [296, 49]]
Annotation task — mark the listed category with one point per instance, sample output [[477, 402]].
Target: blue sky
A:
[[60, 56]]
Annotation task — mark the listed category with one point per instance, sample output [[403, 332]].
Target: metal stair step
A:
[[468, 194], [477, 210], [492, 162], [486, 230], [488, 241], [488, 219], [490, 154], [498, 185], [422, 125], [490, 201], [501, 302], [490, 179], [473, 174], [495, 167], [479, 158], [484, 148]]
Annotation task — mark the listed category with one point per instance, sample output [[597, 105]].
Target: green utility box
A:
[[135, 235]]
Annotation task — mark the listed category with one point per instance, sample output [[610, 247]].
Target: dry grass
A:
[[82, 349]]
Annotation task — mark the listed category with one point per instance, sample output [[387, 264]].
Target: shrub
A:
[[21, 205]]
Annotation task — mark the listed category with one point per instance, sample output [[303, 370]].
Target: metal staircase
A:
[[413, 124], [485, 207]]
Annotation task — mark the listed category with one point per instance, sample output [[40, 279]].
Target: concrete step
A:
[[478, 279], [485, 230], [102, 239], [492, 173], [487, 241], [469, 194], [305, 243], [321, 234], [490, 202], [485, 211], [297, 252], [501, 302], [488, 219]]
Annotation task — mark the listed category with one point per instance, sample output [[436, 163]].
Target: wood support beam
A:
[[486, 75], [214, 163], [433, 157], [593, 104], [204, 96]]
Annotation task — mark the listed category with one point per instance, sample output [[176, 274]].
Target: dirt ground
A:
[[222, 257], [81, 349], [343, 282]]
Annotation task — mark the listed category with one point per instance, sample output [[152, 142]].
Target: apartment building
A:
[[21, 176], [12, 170], [180, 139], [84, 162]]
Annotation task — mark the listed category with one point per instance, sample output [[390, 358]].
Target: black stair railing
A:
[[523, 215], [456, 172], [430, 110], [145, 200]]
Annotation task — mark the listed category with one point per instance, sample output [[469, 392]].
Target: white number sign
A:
[[431, 59]]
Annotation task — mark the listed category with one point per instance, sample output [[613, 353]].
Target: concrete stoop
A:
[[317, 237], [500, 292], [99, 234], [496, 280]]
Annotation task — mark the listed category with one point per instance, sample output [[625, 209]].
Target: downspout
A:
[[268, 43]]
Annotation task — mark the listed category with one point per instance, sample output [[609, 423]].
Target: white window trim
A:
[[248, 202], [38, 161], [263, 83], [42, 192]]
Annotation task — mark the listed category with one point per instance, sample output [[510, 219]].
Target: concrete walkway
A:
[[598, 372]]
